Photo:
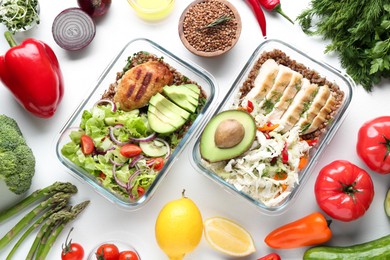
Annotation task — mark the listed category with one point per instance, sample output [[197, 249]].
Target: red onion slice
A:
[[106, 101], [131, 179], [135, 160], [112, 136], [144, 139], [119, 182], [167, 145], [73, 29], [115, 163]]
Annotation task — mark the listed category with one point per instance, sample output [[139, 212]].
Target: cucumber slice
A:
[[154, 148], [387, 203]]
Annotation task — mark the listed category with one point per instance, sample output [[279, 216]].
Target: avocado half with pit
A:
[[227, 135]]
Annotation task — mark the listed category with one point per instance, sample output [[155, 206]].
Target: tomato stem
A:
[[387, 144]]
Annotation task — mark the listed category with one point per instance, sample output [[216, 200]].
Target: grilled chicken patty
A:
[[140, 83]]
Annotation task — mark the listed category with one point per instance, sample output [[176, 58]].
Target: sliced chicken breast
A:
[[287, 97], [322, 115], [297, 107], [315, 107], [264, 81]]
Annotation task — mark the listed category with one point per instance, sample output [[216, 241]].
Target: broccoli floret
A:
[[17, 161]]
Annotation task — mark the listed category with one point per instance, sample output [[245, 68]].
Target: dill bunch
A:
[[359, 33]]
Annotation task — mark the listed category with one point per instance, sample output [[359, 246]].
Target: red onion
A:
[[94, 7], [144, 139], [135, 160], [113, 138], [73, 29], [119, 182], [131, 179], [115, 163], [105, 101]]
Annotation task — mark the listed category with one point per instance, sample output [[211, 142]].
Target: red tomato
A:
[[272, 256], [87, 145], [128, 255], [72, 251], [343, 190], [107, 252], [140, 191], [130, 150], [373, 144], [158, 163]]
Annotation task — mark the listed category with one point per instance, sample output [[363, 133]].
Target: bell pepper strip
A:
[[310, 230], [32, 73], [268, 127], [285, 154], [271, 256], [373, 144], [250, 107], [274, 6], [312, 142], [256, 8], [303, 162]]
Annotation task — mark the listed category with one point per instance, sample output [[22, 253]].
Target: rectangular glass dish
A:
[[229, 179], [187, 71]]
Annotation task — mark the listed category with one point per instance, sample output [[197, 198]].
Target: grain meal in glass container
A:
[[125, 139], [261, 143]]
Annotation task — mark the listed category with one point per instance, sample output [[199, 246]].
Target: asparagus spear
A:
[[36, 224], [29, 217], [47, 245], [64, 187]]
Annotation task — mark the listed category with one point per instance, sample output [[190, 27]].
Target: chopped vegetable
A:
[[310, 230], [17, 161], [373, 144], [343, 190], [73, 29], [87, 145], [359, 32], [375, 249], [32, 73], [18, 15]]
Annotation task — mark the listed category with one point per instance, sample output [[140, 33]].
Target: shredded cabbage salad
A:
[[268, 171]]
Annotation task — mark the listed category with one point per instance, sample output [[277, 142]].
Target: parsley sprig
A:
[[19, 15], [359, 33]]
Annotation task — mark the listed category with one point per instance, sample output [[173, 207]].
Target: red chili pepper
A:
[[256, 8], [285, 154], [275, 6], [32, 73]]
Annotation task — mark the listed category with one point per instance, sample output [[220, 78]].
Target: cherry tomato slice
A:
[[87, 145], [157, 163], [128, 255], [130, 150], [108, 252]]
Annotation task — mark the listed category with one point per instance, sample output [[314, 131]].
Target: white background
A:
[[102, 220]]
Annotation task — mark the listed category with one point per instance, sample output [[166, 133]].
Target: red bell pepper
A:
[[32, 73]]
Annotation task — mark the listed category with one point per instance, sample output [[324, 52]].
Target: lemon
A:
[[228, 237], [179, 227]]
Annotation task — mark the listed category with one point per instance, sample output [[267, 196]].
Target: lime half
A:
[[387, 203]]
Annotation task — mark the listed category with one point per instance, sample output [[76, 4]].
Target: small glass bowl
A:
[[152, 10], [122, 246], [343, 80]]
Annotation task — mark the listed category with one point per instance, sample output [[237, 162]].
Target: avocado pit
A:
[[229, 133]]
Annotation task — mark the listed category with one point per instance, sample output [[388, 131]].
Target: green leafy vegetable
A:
[[18, 15], [359, 32]]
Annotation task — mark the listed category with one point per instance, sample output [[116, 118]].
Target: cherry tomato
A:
[[272, 256], [87, 145], [343, 190], [128, 255], [130, 150], [140, 191], [72, 251], [108, 252], [158, 163], [373, 144]]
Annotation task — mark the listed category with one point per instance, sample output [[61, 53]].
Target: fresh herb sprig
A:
[[19, 15], [359, 32], [220, 20]]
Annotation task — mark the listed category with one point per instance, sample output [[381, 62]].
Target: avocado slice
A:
[[173, 119], [183, 97], [158, 125], [227, 135], [194, 88], [165, 105]]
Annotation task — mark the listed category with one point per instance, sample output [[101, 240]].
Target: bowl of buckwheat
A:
[[210, 28]]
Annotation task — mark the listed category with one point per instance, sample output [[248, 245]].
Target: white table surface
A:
[[102, 220]]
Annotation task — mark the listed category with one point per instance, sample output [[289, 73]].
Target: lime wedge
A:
[[387, 203]]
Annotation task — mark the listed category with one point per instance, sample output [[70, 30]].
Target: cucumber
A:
[[154, 148], [387, 203], [375, 249]]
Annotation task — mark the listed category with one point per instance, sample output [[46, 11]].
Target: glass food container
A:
[[186, 68], [345, 84]]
